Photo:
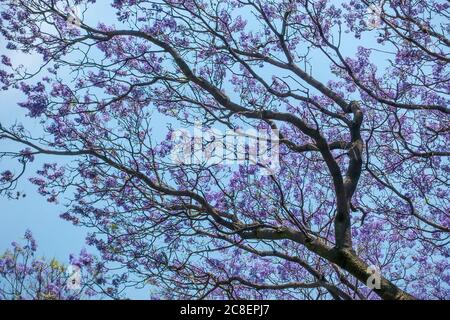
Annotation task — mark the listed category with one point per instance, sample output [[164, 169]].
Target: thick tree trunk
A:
[[349, 261]]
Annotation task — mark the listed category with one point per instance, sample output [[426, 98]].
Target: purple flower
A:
[[32, 242], [6, 61], [6, 176], [36, 104], [27, 153]]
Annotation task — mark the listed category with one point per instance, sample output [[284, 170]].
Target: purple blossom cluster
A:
[[23, 276]]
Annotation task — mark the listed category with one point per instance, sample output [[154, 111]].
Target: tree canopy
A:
[[358, 92]]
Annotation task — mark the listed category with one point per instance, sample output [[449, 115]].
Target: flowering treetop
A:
[[358, 91]]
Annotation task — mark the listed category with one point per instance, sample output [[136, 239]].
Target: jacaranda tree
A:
[[23, 276], [358, 207]]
